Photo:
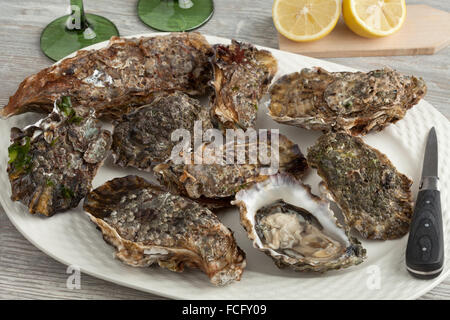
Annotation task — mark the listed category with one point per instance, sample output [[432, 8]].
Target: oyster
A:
[[52, 163], [147, 225], [374, 197], [296, 228], [355, 102], [143, 137], [242, 74], [115, 79], [215, 181]]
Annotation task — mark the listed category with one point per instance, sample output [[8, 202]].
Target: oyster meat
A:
[[52, 163], [242, 75], [215, 181], [296, 228], [147, 225], [115, 79], [355, 102], [143, 137], [374, 197]]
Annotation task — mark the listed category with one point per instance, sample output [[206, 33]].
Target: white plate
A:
[[73, 240]]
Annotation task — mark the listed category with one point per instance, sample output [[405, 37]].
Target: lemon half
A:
[[305, 20], [374, 18]]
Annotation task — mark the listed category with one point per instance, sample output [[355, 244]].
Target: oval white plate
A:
[[73, 240]]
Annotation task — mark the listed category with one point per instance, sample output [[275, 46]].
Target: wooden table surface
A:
[[26, 272]]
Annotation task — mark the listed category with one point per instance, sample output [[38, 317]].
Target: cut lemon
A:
[[305, 20], [374, 18]]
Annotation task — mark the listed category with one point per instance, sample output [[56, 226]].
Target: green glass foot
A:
[[57, 41], [166, 15]]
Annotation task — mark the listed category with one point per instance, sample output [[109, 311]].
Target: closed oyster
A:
[[242, 75], [374, 197], [296, 228], [52, 163], [147, 225], [143, 137], [215, 181], [355, 102], [115, 79]]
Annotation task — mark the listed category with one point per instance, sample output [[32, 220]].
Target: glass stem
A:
[[77, 19]]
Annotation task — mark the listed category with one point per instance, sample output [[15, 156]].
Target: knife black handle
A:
[[425, 249]]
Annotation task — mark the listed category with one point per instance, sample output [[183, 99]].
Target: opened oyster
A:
[[242, 75], [355, 102], [147, 225], [216, 181], [115, 79], [374, 197], [52, 163], [296, 228], [143, 137]]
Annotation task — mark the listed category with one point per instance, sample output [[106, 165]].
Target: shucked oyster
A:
[[242, 74], [52, 163], [374, 197], [115, 79], [355, 102], [147, 225], [216, 181], [296, 228], [143, 137]]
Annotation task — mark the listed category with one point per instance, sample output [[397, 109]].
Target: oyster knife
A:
[[425, 249]]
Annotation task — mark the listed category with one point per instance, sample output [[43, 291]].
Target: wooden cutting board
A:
[[425, 31]]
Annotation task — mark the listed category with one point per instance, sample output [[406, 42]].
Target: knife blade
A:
[[425, 248]]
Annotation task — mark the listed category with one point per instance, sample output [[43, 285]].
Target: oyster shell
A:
[[242, 75], [355, 102], [52, 163], [116, 79], [374, 197], [216, 183], [296, 228], [143, 137], [147, 225]]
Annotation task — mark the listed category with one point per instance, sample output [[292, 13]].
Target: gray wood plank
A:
[[26, 272]]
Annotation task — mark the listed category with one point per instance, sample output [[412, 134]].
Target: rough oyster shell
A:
[[242, 75], [116, 79], [147, 225], [355, 102], [296, 228], [143, 137], [374, 197], [52, 163], [215, 184]]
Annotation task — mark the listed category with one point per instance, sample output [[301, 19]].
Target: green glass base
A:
[[57, 41], [166, 15]]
